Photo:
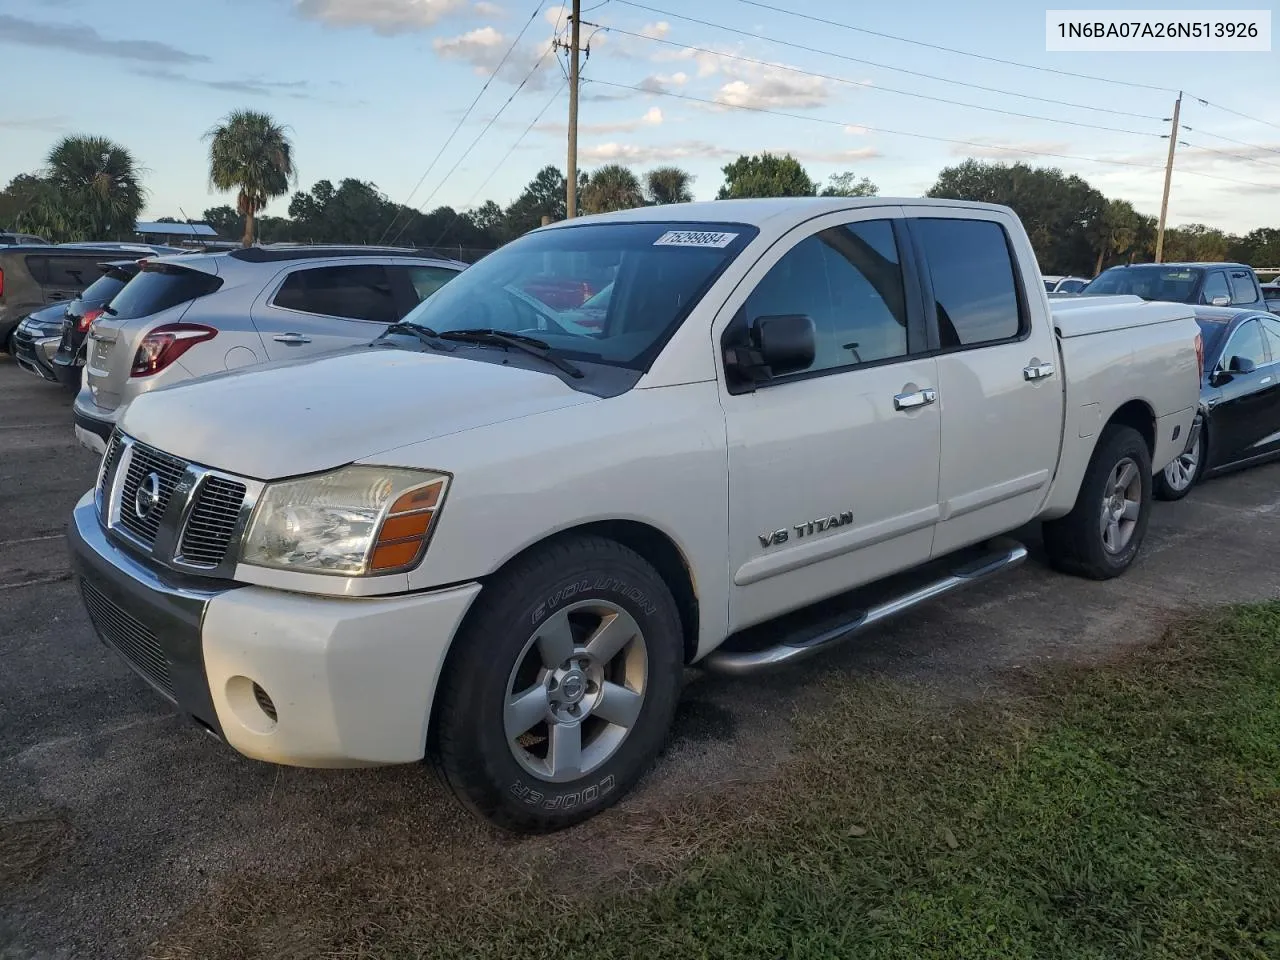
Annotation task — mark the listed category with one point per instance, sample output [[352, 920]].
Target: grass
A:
[[1126, 811]]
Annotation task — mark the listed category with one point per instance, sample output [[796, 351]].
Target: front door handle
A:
[[1037, 371], [295, 338], [910, 401]]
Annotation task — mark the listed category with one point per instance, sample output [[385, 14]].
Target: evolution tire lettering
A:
[[600, 584], [564, 801]]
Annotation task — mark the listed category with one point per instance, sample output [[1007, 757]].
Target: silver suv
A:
[[189, 316]]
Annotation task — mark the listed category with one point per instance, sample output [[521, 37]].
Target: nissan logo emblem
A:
[[148, 496]]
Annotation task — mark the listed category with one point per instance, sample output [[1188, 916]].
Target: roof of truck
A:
[[760, 211]]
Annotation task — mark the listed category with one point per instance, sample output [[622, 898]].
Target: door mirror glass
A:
[[1241, 365], [1220, 301], [775, 347]]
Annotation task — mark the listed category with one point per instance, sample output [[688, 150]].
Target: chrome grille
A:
[[212, 522], [110, 460], [128, 636], [145, 461]]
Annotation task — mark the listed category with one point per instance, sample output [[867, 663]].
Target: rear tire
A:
[[1101, 536], [560, 688], [1176, 480]]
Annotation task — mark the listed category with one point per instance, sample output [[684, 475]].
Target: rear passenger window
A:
[[1271, 330], [848, 280], [1246, 343], [1214, 287], [358, 292], [1242, 288], [73, 272], [974, 286]]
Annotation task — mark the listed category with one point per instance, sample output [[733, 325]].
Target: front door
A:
[[320, 308], [1246, 409], [997, 374], [833, 471]]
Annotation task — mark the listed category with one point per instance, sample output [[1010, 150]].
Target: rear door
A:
[[999, 387], [64, 277], [1246, 412], [317, 308]]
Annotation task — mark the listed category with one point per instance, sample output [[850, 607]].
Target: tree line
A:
[[90, 189]]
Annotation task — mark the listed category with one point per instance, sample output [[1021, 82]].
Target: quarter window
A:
[[848, 280], [1271, 330], [974, 286], [358, 292], [427, 280]]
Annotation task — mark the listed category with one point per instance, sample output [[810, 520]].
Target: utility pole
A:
[[571, 197], [1168, 178]]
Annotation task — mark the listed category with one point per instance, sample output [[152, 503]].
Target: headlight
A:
[[356, 521]]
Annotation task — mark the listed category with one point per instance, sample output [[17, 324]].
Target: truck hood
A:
[[302, 416]]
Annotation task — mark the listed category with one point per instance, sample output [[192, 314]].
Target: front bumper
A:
[[33, 349], [93, 423], [350, 682]]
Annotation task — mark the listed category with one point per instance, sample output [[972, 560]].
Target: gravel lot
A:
[[146, 814]]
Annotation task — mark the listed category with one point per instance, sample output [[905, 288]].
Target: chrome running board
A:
[[996, 557]]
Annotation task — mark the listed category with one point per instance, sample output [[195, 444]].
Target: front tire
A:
[[1176, 480], [560, 688], [1102, 534]]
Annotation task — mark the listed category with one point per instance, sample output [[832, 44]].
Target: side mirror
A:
[[1220, 302], [775, 347], [1241, 365]]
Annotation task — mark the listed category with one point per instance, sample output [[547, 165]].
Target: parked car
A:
[[1064, 284], [496, 542], [188, 316], [33, 277], [35, 340], [1210, 284], [1271, 294], [19, 239], [1239, 417], [69, 355]]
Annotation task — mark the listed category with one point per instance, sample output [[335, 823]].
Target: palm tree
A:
[[612, 187], [669, 185], [90, 191], [251, 153]]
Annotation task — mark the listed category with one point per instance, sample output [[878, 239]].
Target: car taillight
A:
[[1, 283], [1199, 357], [83, 324], [167, 343]]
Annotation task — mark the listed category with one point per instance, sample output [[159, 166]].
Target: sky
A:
[[373, 89]]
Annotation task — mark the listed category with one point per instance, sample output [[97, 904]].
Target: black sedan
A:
[[68, 362], [1239, 420]]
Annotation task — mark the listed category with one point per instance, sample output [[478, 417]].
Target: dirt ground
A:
[[116, 815]]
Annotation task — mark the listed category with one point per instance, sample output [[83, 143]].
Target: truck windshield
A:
[[610, 293], [1149, 281]]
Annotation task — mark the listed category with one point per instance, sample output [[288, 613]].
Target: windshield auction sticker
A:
[[1156, 31], [694, 238]]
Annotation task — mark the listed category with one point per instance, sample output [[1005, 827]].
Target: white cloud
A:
[[664, 82], [652, 118], [557, 16], [772, 88], [386, 17], [486, 9], [655, 31], [832, 156], [855, 130], [484, 47], [632, 153]]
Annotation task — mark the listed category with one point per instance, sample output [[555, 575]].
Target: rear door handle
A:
[[1037, 371], [910, 401], [295, 338]]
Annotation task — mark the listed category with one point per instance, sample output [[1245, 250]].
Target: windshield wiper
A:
[[425, 334], [530, 345]]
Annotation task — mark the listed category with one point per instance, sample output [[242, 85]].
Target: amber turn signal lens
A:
[[405, 529]]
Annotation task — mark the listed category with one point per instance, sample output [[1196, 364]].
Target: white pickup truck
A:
[[495, 537]]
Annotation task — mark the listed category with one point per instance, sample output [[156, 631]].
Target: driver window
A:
[[1215, 286], [1247, 344]]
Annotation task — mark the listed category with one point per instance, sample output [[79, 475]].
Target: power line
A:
[[1216, 106], [880, 88], [466, 153], [882, 66], [501, 163], [931, 46], [918, 136], [1241, 143], [458, 126], [1233, 156]]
